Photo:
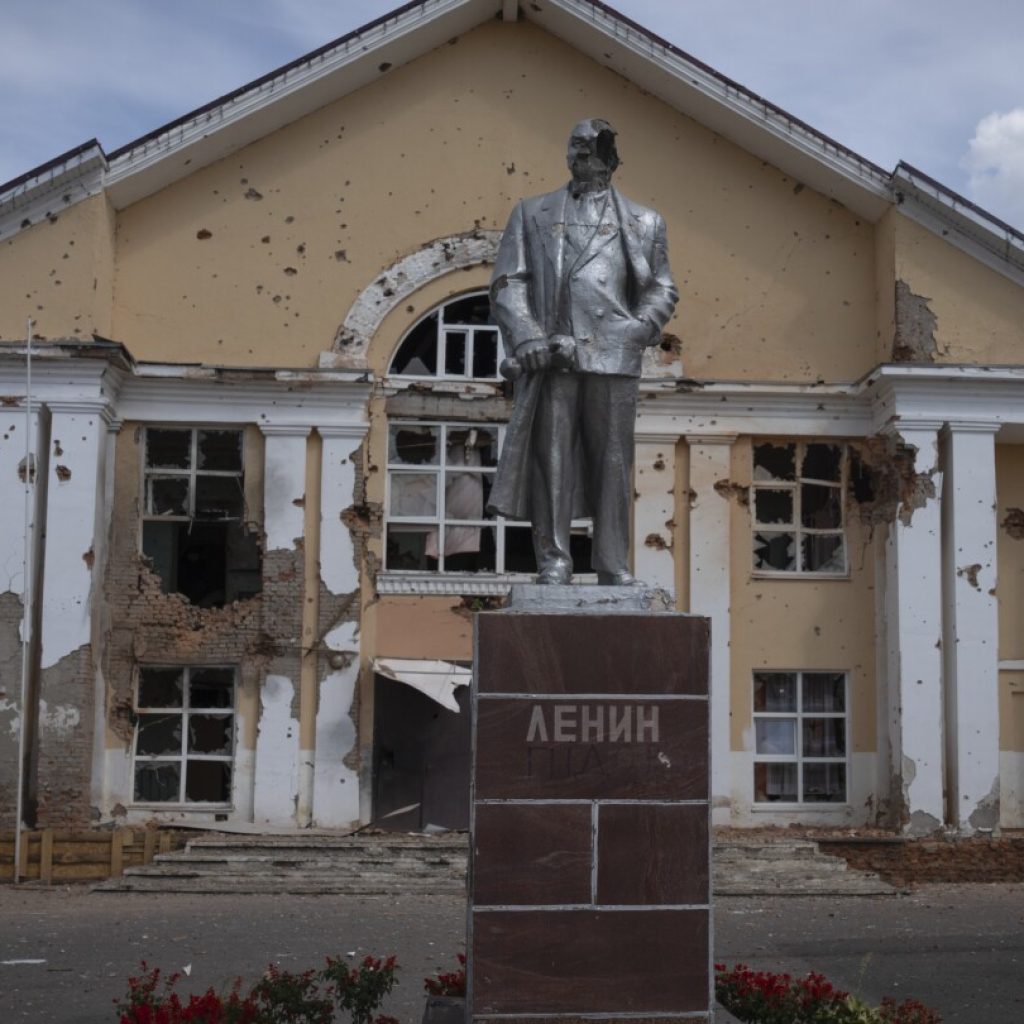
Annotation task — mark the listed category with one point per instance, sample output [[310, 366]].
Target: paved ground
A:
[[957, 948]]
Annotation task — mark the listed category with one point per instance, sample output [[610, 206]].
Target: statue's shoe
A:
[[555, 574]]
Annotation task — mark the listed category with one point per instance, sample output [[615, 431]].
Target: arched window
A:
[[442, 456], [456, 341]]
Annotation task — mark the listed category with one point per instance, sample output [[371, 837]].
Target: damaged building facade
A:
[[265, 413]]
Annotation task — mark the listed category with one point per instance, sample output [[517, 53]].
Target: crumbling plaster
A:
[[773, 272]]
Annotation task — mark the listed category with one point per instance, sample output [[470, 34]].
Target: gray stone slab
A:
[[586, 598]]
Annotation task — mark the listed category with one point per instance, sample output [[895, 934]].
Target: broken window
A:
[[800, 730], [184, 735], [798, 508], [439, 478], [459, 341], [194, 529]]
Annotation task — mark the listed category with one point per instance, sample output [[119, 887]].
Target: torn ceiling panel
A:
[[437, 679]]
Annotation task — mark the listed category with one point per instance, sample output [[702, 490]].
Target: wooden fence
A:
[[51, 855]]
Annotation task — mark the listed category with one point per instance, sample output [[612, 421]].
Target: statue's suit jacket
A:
[[540, 288]]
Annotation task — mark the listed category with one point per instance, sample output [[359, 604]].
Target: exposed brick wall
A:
[[259, 635], [909, 861]]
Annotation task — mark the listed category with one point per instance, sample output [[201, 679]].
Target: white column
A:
[[913, 637], [337, 794], [74, 523], [284, 484], [283, 785], [971, 638], [710, 559], [654, 510]]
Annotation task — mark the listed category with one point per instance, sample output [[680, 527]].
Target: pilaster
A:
[[709, 572], [654, 510], [970, 649]]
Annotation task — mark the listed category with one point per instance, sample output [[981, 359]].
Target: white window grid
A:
[[445, 331], [796, 527], [440, 469], [184, 756], [193, 472], [797, 717]]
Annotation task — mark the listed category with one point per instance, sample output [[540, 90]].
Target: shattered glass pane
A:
[[774, 691], [771, 506], [824, 691], [821, 506], [824, 737], [417, 355], [774, 462], [824, 553], [775, 735], [474, 309], [208, 782], [774, 551], [775, 782], [823, 462], [455, 353], [469, 549], [160, 687], [211, 687], [168, 449], [220, 450], [219, 497], [476, 446], [158, 781], [413, 494], [167, 495], [519, 555], [158, 734], [407, 547], [825, 783], [485, 354], [209, 734], [411, 445]]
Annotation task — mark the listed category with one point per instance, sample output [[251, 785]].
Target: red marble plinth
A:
[[590, 881]]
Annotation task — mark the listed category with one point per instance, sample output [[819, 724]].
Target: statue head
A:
[[592, 156]]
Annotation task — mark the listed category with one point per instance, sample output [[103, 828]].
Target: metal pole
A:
[[26, 609]]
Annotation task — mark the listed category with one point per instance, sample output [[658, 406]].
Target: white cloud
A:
[[995, 163]]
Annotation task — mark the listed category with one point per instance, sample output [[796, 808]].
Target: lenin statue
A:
[[581, 286]]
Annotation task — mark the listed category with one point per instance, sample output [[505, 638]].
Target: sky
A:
[[938, 83]]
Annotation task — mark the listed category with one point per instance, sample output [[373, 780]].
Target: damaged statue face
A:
[[592, 156]]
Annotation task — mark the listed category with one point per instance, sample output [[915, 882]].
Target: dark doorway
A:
[[420, 756]]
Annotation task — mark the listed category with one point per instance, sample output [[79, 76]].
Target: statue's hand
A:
[[643, 333], [534, 355]]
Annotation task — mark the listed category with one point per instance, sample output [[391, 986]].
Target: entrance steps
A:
[[396, 863], [363, 865]]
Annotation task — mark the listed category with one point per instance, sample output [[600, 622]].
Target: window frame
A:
[[184, 756], [798, 758], [193, 473], [441, 376], [796, 528]]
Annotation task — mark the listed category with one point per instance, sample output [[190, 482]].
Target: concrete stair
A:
[[395, 863], [309, 864], [787, 867]]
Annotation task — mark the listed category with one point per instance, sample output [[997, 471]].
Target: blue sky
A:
[[939, 84]]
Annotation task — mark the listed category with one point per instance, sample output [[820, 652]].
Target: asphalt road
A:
[[959, 949]]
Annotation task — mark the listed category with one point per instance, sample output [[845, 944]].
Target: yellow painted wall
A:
[[800, 623], [776, 280], [1010, 592], [980, 312], [60, 272]]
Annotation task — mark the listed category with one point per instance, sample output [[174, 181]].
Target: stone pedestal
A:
[[590, 879]]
